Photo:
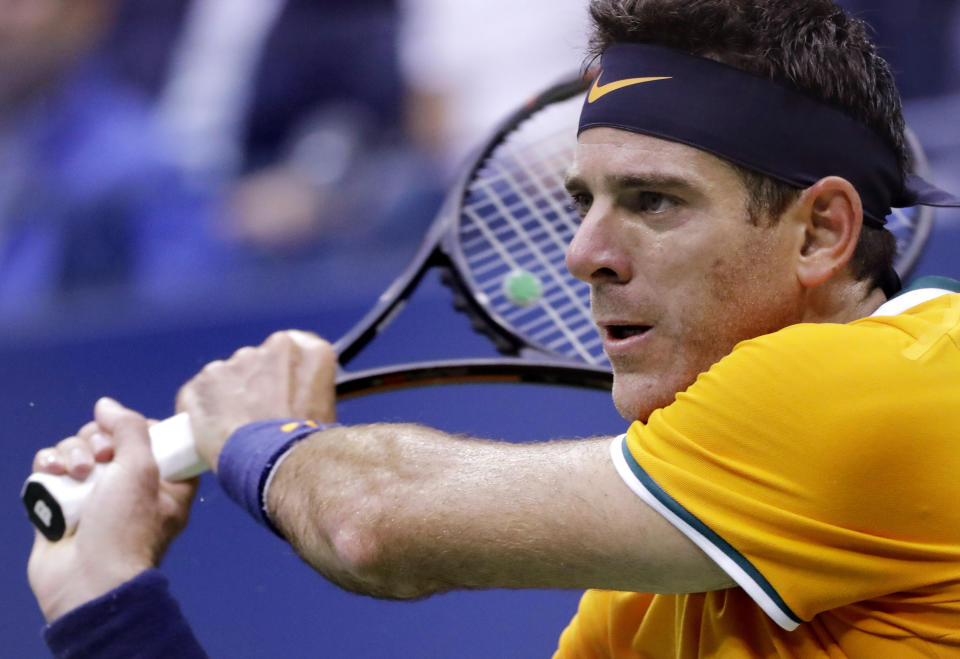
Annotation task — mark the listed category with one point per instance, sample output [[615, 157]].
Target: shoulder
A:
[[797, 359], [886, 343], [812, 391]]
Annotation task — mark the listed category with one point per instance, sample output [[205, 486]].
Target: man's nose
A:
[[597, 252]]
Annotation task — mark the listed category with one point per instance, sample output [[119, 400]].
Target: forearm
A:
[[403, 511]]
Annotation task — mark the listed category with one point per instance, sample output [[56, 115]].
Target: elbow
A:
[[354, 512], [377, 560], [359, 549]]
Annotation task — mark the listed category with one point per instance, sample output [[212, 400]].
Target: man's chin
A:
[[636, 396]]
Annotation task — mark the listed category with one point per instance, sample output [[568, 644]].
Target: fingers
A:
[[50, 461], [316, 372], [307, 340], [112, 417], [94, 442], [291, 374], [313, 366], [73, 455], [101, 444], [313, 350], [128, 432], [296, 338]]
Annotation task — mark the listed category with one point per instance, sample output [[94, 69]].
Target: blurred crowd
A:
[[165, 155]]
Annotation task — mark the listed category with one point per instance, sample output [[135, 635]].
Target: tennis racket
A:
[[500, 241], [911, 226]]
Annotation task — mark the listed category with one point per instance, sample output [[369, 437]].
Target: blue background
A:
[[245, 592]]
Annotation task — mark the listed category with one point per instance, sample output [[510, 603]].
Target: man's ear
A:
[[832, 215]]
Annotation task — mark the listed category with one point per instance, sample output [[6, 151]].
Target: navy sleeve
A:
[[137, 619]]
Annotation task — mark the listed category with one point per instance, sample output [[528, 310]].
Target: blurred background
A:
[[181, 178]]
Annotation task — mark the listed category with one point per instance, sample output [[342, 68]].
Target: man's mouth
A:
[[620, 332]]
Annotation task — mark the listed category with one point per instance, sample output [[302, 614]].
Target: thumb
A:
[[127, 428]]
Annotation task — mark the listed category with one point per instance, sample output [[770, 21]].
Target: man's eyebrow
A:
[[654, 181], [572, 181]]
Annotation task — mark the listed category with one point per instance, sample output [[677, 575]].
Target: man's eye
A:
[[653, 202]]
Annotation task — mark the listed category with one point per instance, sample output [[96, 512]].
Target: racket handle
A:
[[54, 503]]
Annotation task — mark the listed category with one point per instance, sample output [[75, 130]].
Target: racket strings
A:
[[902, 222], [559, 295], [516, 221]]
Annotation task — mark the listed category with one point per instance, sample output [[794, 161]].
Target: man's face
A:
[[678, 273]]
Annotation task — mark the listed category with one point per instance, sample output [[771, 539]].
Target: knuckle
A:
[[212, 368], [131, 423], [307, 340], [322, 354], [244, 354], [45, 458], [182, 396], [325, 349], [68, 444], [281, 337], [88, 429]]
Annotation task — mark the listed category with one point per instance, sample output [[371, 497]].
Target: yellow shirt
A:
[[819, 466]]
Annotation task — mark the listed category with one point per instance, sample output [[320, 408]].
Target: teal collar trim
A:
[[933, 281]]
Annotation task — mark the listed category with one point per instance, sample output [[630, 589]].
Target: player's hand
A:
[[127, 523], [290, 375]]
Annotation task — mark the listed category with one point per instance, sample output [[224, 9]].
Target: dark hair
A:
[[813, 45]]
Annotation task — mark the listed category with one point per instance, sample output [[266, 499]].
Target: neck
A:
[[842, 303]]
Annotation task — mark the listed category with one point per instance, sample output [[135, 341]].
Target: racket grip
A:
[[54, 503]]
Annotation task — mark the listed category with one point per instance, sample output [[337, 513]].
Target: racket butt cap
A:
[[43, 510]]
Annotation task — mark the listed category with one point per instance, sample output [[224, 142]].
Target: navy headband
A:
[[758, 123]]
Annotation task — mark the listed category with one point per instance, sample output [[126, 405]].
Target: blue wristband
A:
[[249, 456]]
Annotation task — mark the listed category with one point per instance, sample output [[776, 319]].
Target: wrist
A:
[[250, 457], [82, 587]]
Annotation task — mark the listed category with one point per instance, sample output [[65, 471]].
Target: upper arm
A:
[[638, 548]]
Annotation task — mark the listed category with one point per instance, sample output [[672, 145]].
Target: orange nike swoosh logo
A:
[[598, 90]]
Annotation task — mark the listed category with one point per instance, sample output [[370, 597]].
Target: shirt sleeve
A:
[[139, 618], [795, 463]]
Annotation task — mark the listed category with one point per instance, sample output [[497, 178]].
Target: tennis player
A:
[[787, 483]]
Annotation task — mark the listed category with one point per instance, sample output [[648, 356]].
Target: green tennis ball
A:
[[522, 287]]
